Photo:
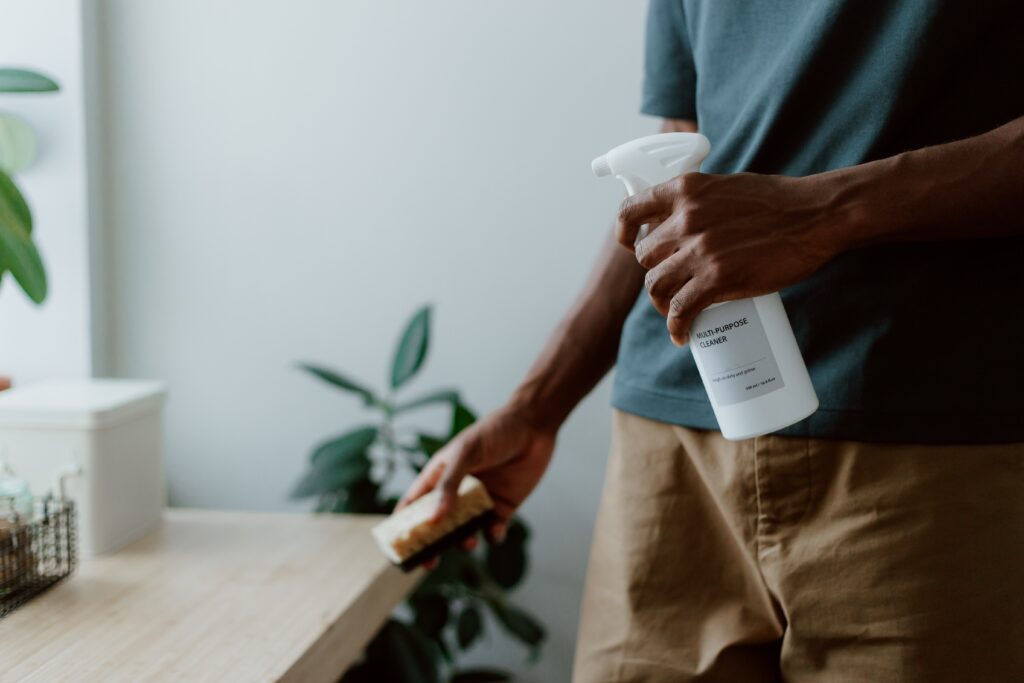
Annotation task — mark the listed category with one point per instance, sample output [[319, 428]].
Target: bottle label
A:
[[733, 348]]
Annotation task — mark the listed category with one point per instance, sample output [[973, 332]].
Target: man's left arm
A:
[[726, 237]]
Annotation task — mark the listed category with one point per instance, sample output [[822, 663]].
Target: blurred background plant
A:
[[18, 253], [351, 473]]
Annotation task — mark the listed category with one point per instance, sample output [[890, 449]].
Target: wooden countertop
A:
[[212, 596]]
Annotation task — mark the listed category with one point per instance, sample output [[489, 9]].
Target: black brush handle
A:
[[449, 540]]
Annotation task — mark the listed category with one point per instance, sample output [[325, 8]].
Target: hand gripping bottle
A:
[[745, 350]]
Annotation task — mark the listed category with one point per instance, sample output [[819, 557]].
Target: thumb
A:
[[448, 487], [498, 530], [684, 308]]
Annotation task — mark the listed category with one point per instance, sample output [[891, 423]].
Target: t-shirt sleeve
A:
[[670, 79]]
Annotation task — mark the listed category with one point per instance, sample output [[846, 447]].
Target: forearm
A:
[[969, 189], [583, 347]]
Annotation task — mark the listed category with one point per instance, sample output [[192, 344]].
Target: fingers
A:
[[470, 544], [497, 531], [668, 277], [443, 473], [424, 483], [684, 307], [495, 534], [650, 206], [448, 484], [657, 245]]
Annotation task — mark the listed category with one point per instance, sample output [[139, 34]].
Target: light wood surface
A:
[[212, 596]]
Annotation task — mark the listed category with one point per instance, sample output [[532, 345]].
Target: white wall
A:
[[53, 340], [289, 180]]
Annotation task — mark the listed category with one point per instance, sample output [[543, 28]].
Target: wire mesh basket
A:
[[37, 550]]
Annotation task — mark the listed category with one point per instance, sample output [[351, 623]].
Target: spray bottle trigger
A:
[[634, 185]]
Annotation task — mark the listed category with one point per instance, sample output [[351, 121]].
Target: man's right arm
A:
[[582, 349], [509, 449]]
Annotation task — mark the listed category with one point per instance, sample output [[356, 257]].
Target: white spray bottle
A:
[[745, 350]]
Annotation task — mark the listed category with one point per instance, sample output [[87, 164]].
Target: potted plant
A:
[[351, 472], [18, 253]]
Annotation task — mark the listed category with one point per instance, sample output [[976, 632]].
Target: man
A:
[[867, 160]]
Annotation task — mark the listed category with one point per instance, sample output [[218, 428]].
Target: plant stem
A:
[[387, 438]]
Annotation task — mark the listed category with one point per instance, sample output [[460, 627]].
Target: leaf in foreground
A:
[[412, 348], [431, 612], [506, 561], [18, 253], [430, 444], [335, 378], [469, 626], [518, 623], [23, 80], [11, 195], [481, 676], [462, 417], [336, 451], [440, 396], [318, 480], [400, 654]]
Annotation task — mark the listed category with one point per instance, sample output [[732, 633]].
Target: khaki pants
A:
[[792, 559]]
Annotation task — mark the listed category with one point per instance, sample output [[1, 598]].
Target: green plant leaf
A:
[[442, 646], [338, 450], [419, 655], [361, 498], [400, 654], [481, 676], [451, 568], [462, 417], [440, 396], [15, 201], [430, 444], [340, 476], [506, 561], [22, 80], [518, 623], [412, 348], [469, 626], [471, 573], [337, 379], [17, 143], [431, 612], [18, 253]]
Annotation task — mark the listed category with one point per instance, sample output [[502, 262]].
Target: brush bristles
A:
[[409, 531]]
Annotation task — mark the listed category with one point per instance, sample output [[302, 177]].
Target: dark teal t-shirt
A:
[[906, 343]]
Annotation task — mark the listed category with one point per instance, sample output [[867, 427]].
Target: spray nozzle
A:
[[601, 167], [654, 159]]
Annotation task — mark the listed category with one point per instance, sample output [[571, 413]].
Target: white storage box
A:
[[104, 438]]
